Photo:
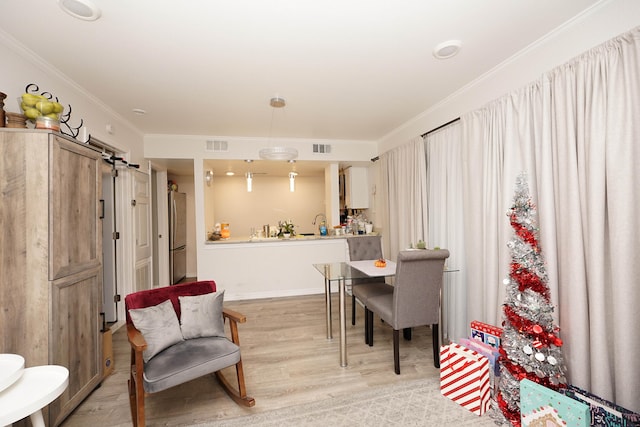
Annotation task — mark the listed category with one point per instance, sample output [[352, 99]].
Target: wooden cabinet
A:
[[51, 258], [356, 188]]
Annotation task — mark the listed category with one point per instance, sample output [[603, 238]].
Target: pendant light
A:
[[277, 153], [249, 176], [292, 181], [249, 182]]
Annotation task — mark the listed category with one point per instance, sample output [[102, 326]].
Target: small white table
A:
[[31, 390], [11, 368]]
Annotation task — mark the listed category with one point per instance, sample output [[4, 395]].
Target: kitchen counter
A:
[[270, 268], [297, 238]]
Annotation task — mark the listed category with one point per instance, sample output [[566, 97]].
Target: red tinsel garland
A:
[[512, 416], [521, 324], [519, 373], [528, 280], [522, 232]]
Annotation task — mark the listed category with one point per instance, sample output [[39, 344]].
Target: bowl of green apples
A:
[[34, 106]]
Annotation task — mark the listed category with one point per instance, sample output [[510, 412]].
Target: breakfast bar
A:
[[269, 268]]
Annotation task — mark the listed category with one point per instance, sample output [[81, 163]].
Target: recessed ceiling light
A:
[[139, 111], [447, 49], [81, 9]]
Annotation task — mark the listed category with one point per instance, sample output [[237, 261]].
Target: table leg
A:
[[327, 295], [36, 419], [440, 319], [343, 324]]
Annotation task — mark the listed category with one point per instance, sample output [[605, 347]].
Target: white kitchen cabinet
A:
[[51, 259], [356, 188]]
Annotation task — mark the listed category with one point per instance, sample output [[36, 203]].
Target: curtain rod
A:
[[376, 158], [440, 127]]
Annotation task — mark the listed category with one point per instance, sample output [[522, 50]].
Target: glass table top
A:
[[341, 270]]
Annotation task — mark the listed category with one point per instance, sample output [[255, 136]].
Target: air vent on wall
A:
[[217, 146], [322, 148]]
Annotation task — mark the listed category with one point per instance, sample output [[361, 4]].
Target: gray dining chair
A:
[[363, 248], [415, 300]]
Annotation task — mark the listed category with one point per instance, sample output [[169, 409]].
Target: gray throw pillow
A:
[[201, 315], [159, 326]]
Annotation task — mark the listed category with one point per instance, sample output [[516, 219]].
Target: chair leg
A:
[[353, 308], [366, 325], [240, 395], [136, 390], [406, 334], [435, 337], [370, 330], [396, 351]]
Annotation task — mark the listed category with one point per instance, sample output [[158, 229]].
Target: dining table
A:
[[344, 271]]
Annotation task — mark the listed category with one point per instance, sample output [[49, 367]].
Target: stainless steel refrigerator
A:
[[177, 236]]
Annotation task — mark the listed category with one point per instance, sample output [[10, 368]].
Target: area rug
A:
[[412, 403]]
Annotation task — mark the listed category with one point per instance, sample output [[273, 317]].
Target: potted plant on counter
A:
[[287, 229]]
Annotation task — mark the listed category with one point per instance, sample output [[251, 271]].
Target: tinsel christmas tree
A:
[[530, 346]]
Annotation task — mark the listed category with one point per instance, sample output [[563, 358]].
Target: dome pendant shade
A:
[[278, 153]]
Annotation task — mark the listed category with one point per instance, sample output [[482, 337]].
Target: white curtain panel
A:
[[403, 178], [576, 132], [446, 226]]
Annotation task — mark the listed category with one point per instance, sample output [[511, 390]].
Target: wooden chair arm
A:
[[234, 315], [137, 341]]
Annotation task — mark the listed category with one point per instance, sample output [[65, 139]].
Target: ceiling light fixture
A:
[[81, 9], [448, 49], [229, 173], [277, 153]]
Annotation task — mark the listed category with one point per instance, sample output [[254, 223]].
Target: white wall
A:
[[269, 202], [607, 19], [20, 67]]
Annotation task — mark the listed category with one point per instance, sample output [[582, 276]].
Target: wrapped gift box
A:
[[488, 334], [604, 413], [542, 407], [464, 377]]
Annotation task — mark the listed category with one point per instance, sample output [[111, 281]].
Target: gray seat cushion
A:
[[382, 305], [188, 360], [366, 291]]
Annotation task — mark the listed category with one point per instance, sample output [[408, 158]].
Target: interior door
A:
[[160, 222], [109, 280], [142, 230]]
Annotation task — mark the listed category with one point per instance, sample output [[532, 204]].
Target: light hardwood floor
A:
[[287, 361]]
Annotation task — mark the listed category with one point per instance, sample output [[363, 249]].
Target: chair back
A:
[[151, 297], [364, 247], [416, 294]]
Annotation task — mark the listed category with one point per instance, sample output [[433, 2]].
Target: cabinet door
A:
[[74, 337], [357, 188], [75, 240]]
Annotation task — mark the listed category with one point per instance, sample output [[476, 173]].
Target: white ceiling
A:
[[348, 69]]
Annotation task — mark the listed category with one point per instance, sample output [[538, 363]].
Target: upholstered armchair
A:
[[415, 300], [177, 334]]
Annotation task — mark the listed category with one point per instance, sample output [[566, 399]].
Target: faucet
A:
[[320, 226]]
